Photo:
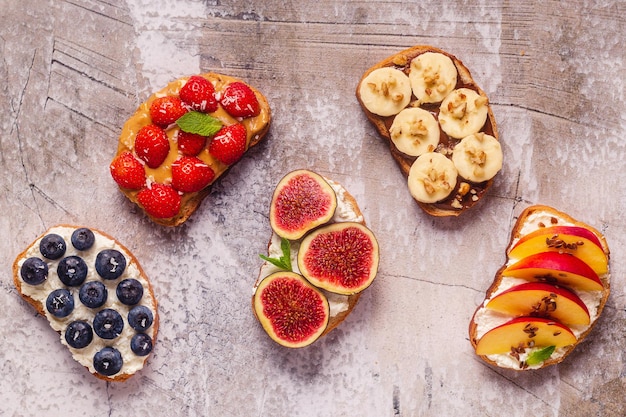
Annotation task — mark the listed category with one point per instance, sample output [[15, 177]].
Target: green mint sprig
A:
[[284, 262], [199, 123], [540, 355]]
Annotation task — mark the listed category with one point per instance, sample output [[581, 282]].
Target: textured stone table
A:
[[71, 73]]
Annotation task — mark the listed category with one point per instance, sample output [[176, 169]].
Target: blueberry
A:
[[93, 294], [83, 238], [108, 323], [141, 344], [140, 318], [129, 291], [108, 361], [110, 264], [60, 302], [52, 246], [34, 271], [72, 271], [78, 334]]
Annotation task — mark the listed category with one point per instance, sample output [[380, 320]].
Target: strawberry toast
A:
[[182, 139]]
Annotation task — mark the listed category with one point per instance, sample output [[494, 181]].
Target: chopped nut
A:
[[480, 101], [432, 175], [397, 97], [400, 60], [428, 186], [385, 89], [463, 188]]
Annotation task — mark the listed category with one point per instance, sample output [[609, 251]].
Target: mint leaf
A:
[[540, 355], [284, 262], [285, 247], [199, 123], [277, 262]]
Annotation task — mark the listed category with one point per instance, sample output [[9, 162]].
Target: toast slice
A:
[[256, 128], [532, 220], [38, 273], [341, 305], [466, 192]]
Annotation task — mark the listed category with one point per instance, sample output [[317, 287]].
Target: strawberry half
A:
[[229, 144], [190, 174], [166, 110], [152, 145], [239, 100], [190, 144], [160, 201], [127, 171], [199, 94]]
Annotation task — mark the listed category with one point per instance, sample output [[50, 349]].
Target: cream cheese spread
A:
[[131, 361]]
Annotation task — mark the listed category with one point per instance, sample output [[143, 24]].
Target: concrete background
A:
[[72, 71]]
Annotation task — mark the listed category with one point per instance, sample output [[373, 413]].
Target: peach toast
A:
[[547, 297]]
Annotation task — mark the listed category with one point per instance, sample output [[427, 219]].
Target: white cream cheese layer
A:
[[344, 212], [487, 319], [132, 362]]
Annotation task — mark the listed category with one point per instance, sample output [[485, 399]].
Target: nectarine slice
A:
[[539, 299], [578, 241], [556, 268], [524, 332]]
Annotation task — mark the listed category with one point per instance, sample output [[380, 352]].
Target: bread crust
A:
[[39, 307], [334, 320], [257, 128], [402, 60], [515, 235]]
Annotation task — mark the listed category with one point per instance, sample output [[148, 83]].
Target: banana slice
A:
[[463, 112], [433, 76], [478, 157], [414, 131], [432, 177], [385, 91]]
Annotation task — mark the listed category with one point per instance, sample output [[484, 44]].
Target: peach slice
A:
[[556, 268], [524, 332], [578, 241], [538, 299]]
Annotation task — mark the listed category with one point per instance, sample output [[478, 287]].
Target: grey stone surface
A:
[[71, 72]]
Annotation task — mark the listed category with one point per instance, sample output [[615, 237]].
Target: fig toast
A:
[[425, 104], [344, 212]]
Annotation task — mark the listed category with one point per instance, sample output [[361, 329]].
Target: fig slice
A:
[[340, 257], [302, 201], [292, 311]]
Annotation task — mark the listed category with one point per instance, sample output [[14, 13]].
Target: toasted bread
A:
[[534, 218], [37, 294], [256, 129], [466, 193], [340, 305]]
